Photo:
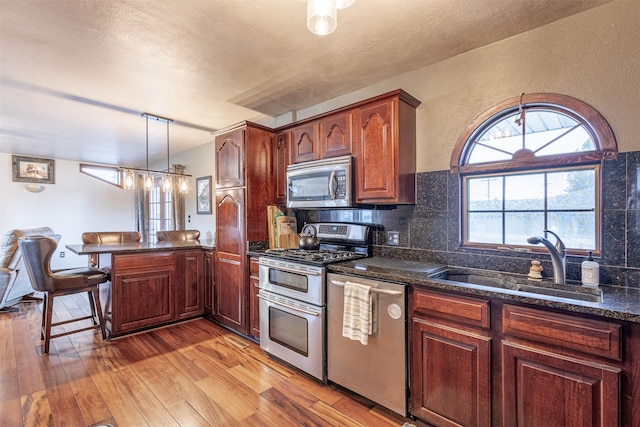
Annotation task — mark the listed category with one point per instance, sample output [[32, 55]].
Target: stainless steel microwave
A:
[[326, 183]]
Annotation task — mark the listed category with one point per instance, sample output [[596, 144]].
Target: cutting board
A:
[[286, 232], [273, 212]]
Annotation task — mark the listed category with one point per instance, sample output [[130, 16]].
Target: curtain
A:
[[141, 208], [177, 207]]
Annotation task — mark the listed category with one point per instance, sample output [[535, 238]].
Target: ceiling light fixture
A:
[[322, 15], [167, 176]]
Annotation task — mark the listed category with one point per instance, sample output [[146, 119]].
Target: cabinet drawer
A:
[[143, 261], [254, 268], [470, 311], [586, 335]]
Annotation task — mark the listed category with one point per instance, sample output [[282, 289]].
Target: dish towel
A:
[[357, 316]]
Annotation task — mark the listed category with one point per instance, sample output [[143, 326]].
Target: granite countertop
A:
[[82, 249], [620, 303]]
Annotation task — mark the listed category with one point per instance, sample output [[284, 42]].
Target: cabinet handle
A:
[[291, 270], [374, 290]]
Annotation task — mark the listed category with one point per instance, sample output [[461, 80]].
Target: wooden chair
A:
[[37, 252], [177, 235]]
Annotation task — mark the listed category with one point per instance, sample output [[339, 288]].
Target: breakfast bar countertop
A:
[[86, 249], [622, 303]]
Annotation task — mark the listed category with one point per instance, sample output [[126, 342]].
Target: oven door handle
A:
[[291, 270], [374, 290], [301, 310]]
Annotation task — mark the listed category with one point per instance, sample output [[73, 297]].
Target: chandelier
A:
[[168, 178], [322, 15]]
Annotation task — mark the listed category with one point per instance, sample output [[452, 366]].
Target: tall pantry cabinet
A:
[[244, 188]]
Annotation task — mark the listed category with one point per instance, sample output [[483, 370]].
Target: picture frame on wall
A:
[[203, 199], [33, 170]]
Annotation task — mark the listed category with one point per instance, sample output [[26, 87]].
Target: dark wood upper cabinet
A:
[[230, 159], [336, 135], [305, 143], [386, 150], [281, 159]]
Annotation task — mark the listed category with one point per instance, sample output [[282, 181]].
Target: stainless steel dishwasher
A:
[[377, 370]]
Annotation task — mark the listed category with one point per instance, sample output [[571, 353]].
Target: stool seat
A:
[[37, 252]]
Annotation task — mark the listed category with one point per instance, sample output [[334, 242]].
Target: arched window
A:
[[533, 163]]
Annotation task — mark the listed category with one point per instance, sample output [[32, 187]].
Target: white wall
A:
[[74, 204], [199, 162]]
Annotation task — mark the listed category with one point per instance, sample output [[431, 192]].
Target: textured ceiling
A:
[[75, 75]]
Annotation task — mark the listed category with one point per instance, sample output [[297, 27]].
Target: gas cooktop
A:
[[321, 256]]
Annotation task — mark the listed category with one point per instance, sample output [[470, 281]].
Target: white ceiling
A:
[[75, 75]]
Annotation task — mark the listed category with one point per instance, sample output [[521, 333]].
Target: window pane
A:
[[524, 192], [485, 194], [572, 190], [519, 226], [485, 227], [576, 229]]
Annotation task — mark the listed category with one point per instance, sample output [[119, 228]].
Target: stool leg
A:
[[44, 314], [47, 326], [96, 307]]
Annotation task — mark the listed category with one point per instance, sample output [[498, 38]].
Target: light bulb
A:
[[322, 17], [166, 183], [129, 182], [148, 181], [183, 185], [343, 4]]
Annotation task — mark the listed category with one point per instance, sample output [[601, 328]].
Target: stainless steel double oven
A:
[[293, 296]]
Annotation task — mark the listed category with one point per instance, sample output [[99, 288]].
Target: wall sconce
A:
[[34, 188]]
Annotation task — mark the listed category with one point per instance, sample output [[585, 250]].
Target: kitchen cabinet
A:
[[209, 282], [304, 143], [254, 302], [481, 362], [385, 150], [190, 274], [241, 216], [545, 381], [281, 159], [335, 135], [450, 360]]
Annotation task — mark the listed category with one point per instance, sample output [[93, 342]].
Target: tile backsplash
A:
[[430, 229]]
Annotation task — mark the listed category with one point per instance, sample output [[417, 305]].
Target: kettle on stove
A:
[[308, 239]]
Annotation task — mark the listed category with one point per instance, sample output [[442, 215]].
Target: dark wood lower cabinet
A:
[[152, 289], [230, 295], [482, 362], [541, 388], [453, 385], [254, 302]]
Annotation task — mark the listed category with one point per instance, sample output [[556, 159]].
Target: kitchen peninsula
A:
[[152, 284]]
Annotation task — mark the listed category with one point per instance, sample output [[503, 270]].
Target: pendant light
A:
[[148, 178], [322, 17], [166, 179]]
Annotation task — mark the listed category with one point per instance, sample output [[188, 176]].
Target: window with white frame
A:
[[529, 164]]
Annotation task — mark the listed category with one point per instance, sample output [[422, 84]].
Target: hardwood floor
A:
[[190, 374]]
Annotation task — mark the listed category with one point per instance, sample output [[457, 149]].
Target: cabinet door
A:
[[335, 135], [450, 375], [190, 290], [304, 145], [143, 291], [209, 282], [230, 301], [376, 169], [230, 230], [280, 163], [230, 159], [540, 388], [254, 302]]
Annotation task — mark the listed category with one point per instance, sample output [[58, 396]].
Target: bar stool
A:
[[177, 235], [108, 237], [37, 252]]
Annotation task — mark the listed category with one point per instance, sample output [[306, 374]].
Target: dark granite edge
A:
[[123, 248], [619, 303]]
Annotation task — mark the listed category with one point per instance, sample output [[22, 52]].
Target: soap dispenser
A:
[[590, 272]]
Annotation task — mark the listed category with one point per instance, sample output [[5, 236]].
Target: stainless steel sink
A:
[[523, 285]]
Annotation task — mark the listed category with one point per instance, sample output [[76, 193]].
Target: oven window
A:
[[289, 330], [297, 282]]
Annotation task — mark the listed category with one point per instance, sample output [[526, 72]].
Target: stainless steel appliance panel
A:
[[320, 183], [293, 280], [378, 370], [293, 332]]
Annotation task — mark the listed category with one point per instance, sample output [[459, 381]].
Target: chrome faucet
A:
[[558, 256]]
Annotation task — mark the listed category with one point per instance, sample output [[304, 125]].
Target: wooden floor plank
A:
[[185, 415], [36, 410], [26, 359], [299, 413], [10, 405]]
